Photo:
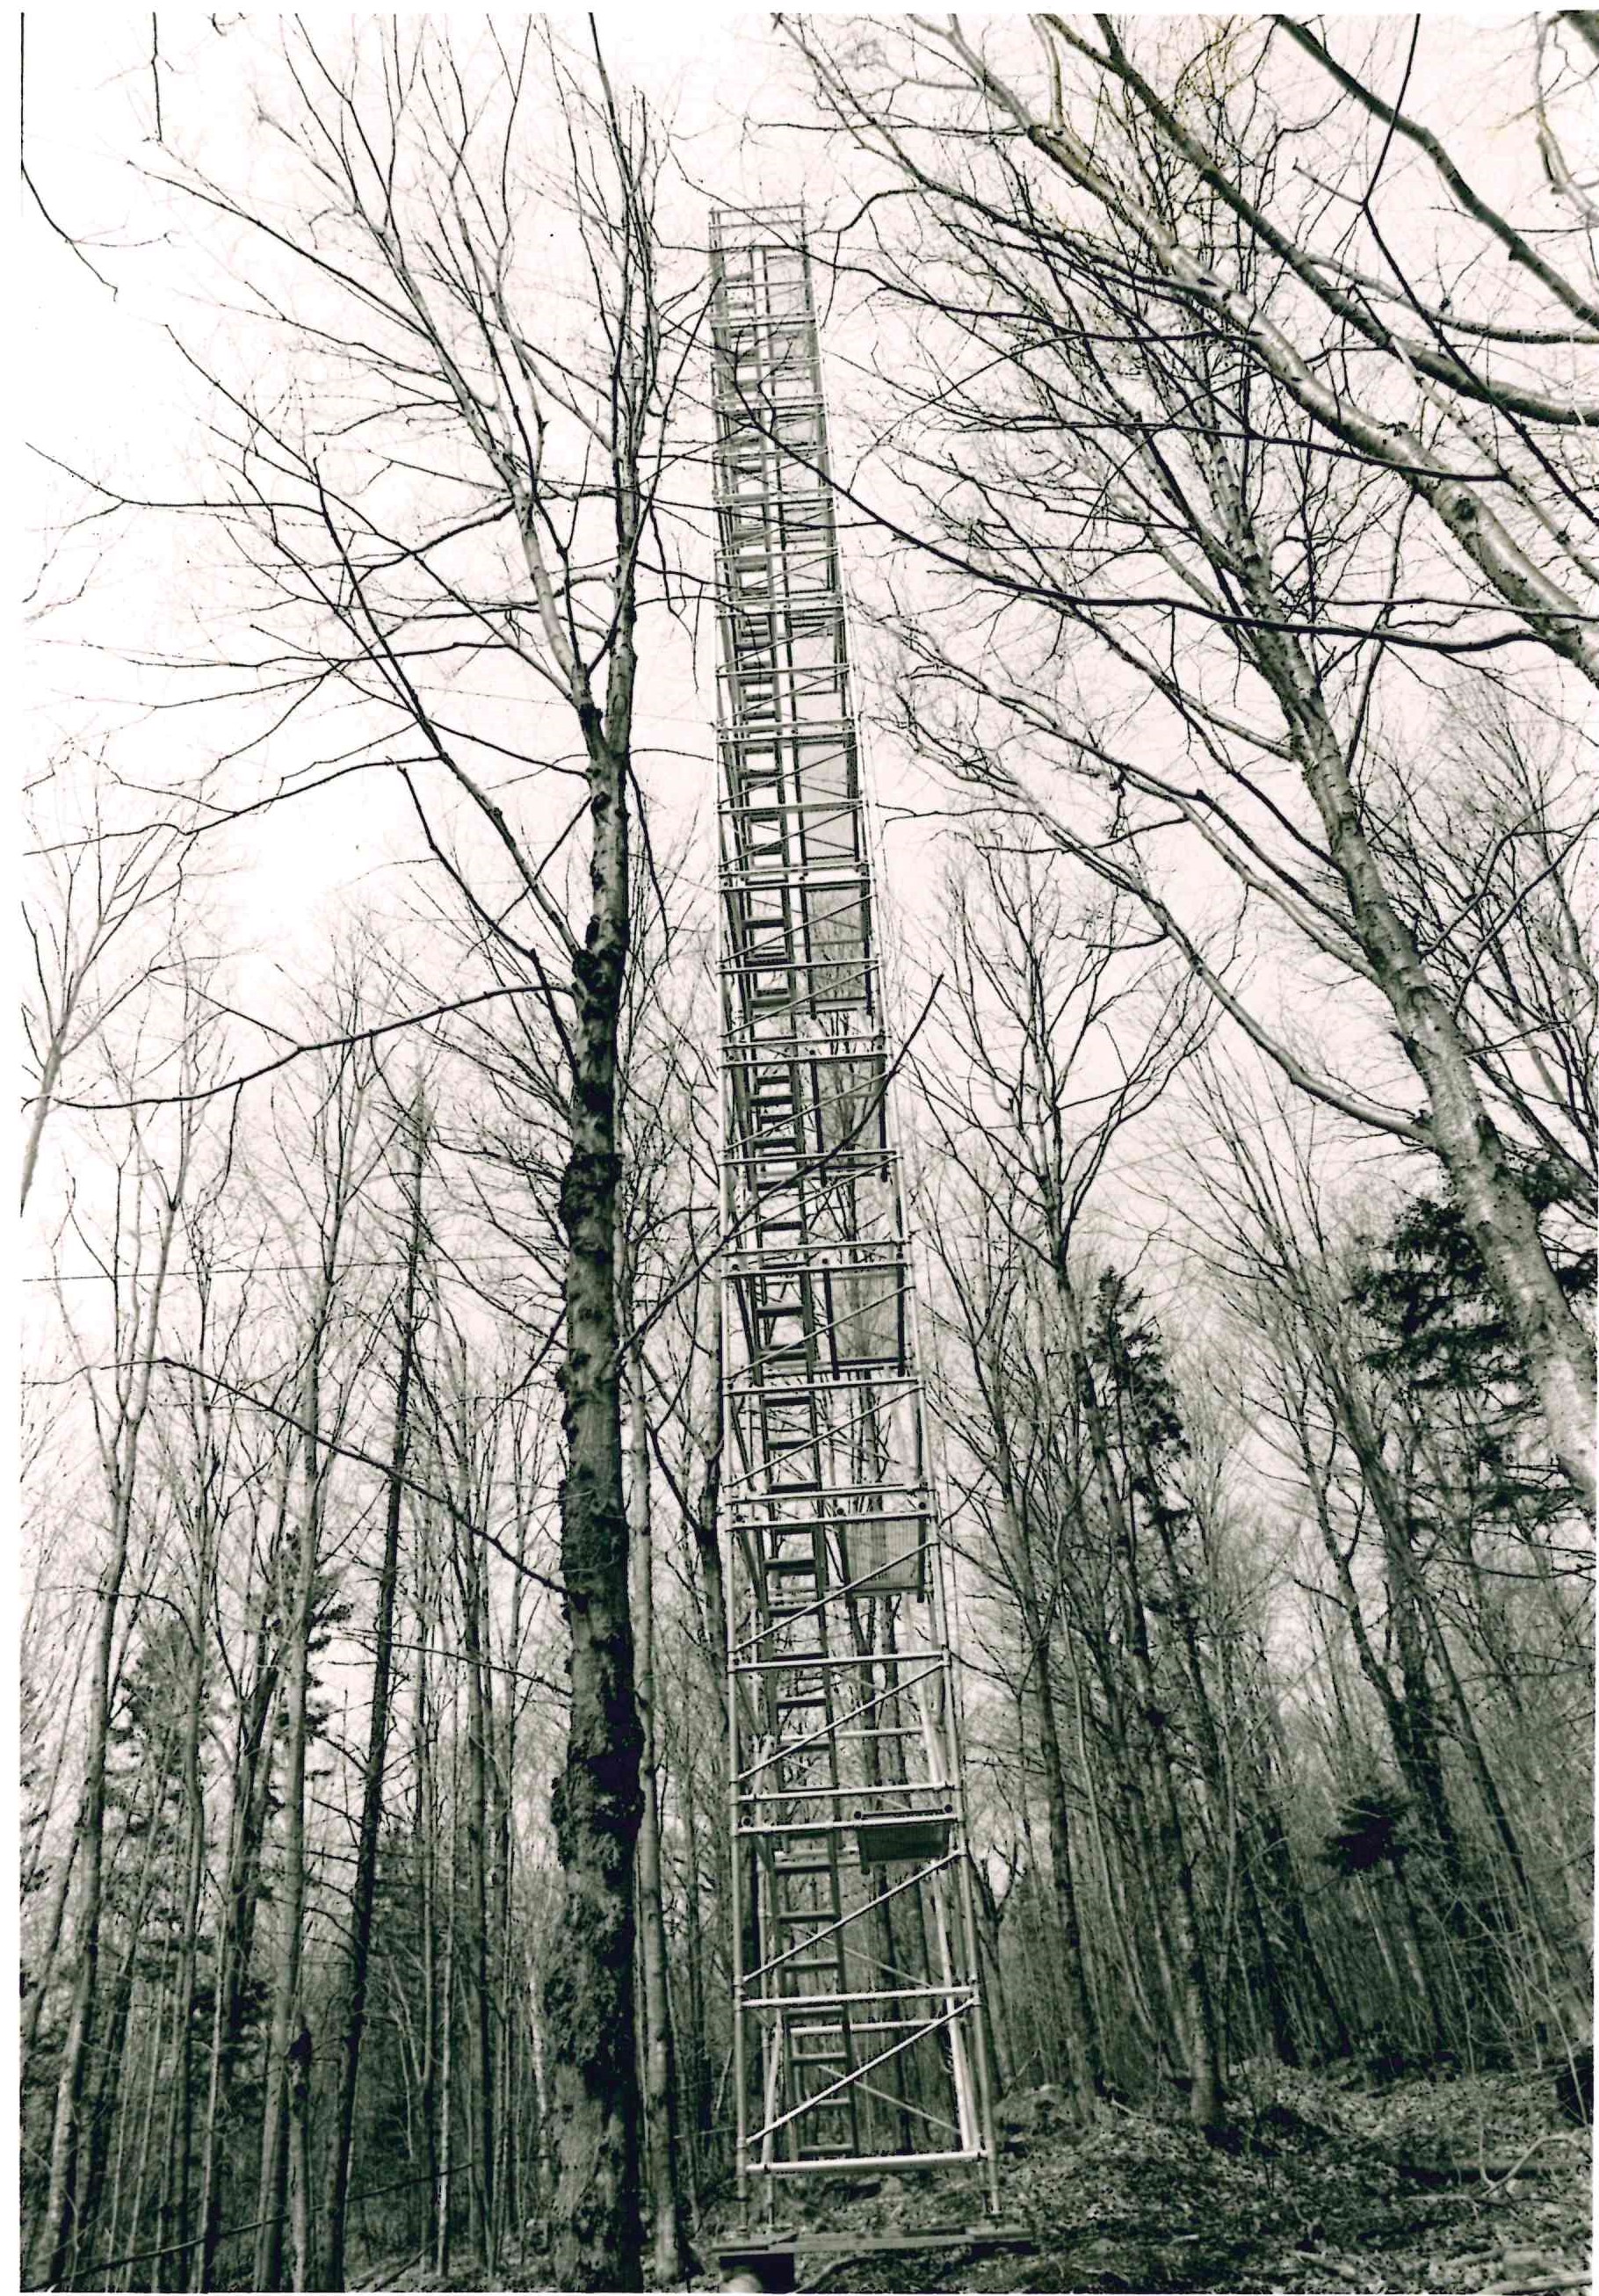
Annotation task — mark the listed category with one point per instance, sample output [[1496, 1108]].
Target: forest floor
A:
[[1473, 2185], [1470, 2184]]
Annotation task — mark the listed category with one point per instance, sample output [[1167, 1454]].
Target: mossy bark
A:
[[596, 1802]]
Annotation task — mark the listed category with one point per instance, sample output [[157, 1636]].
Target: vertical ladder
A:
[[805, 1893]]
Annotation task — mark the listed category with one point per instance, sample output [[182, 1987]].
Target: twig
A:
[[155, 71], [1528, 2287], [1549, 2136], [295, 1052], [34, 191], [342, 1450]]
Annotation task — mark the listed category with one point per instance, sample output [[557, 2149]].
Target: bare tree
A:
[[152, 1174], [1186, 569], [102, 926], [1069, 1028], [1486, 856], [1229, 473], [1028, 1454], [532, 541], [1360, 1447], [341, 1157], [378, 1717]]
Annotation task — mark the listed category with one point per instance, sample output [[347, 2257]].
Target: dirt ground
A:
[[1470, 2184], [1473, 2185]]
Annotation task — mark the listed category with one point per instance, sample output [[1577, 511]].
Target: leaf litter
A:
[[1468, 2183]]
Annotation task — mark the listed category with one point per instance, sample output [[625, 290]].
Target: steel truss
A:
[[858, 2040]]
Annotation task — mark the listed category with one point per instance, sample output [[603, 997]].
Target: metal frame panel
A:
[[858, 2036]]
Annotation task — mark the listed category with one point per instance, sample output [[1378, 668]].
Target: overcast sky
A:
[[105, 390], [103, 387]]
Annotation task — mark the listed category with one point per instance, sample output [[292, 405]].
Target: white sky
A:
[[105, 390], [102, 387]]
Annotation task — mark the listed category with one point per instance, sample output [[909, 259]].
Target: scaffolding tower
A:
[[858, 2039]]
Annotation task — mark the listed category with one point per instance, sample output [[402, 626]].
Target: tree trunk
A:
[[702, 1523], [49, 1079], [1408, 1710], [377, 1747], [38, 1987], [53, 2245], [247, 1828], [671, 2260], [298, 2114], [1087, 2071], [117, 2237], [595, 1805], [1204, 2069], [447, 2072], [509, 2182], [1289, 1899], [1216, 1768], [480, 1725], [1557, 1352], [177, 2225], [1112, 1879], [1414, 1716], [425, 1835], [272, 2193], [116, 2070]]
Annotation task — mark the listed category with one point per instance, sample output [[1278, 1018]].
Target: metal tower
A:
[[858, 2041]]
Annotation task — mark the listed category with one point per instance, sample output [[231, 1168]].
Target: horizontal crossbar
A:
[[863, 2161]]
